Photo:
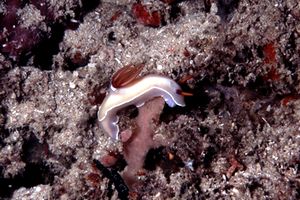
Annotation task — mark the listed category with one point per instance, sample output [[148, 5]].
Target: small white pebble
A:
[[269, 108], [224, 177], [74, 21], [157, 195], [236, 191], [75, 73], [214, 8], [72, 85], [159, 67], [9, 148], [92, 65], [38, 189]]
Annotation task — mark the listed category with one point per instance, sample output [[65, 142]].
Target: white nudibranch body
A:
[[136, 94]]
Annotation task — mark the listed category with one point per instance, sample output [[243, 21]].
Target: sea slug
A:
[[126, 89]]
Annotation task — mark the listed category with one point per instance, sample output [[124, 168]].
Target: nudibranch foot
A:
[[170, 103], [110, 126], [140, 104]]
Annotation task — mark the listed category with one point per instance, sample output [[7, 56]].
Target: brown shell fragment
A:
[[126, 76]]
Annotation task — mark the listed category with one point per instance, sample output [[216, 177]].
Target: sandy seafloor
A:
[[237, 138]]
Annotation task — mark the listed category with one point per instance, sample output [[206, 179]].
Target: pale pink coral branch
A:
[[136, 147]]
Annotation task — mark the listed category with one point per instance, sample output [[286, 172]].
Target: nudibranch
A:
[[128, 89]]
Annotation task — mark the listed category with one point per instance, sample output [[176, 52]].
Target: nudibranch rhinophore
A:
[[136, 92]]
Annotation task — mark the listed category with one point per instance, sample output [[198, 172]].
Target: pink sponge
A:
[[141, 140]]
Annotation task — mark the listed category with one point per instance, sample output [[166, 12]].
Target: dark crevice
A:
[[153, 157], [226, 8], [3, 134], [44, 52], [253, 185], [207, 6], [36, 171], [159, 157], [210, 153], [34, 174], [34, 151], [288, 63], [76, 61], [259, 51], [111, 36], [46, 49], [260, 87], [175, 12], [20, 44], [199, 100], [3, 131], [243, 56], [88, 6]]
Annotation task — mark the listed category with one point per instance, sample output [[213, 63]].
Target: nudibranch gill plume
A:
[[128, 89]]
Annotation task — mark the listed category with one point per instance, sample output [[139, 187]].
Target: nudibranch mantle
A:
[[136, 94]]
